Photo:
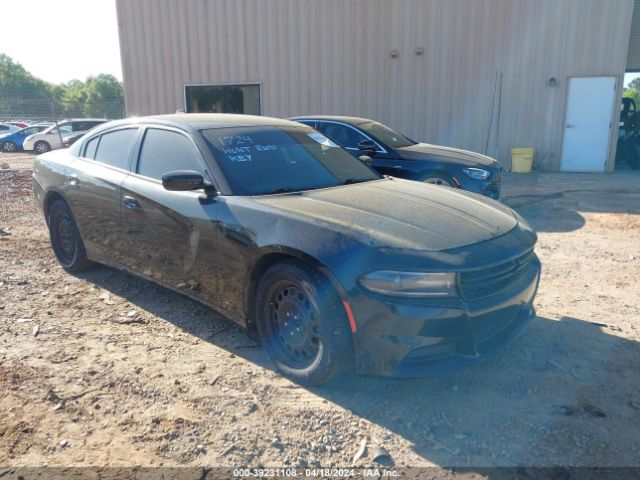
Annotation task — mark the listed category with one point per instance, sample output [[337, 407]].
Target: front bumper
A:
[[427, 337], [489, 188], [28, 145]]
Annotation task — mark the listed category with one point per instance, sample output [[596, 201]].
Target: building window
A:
[[223, 99]]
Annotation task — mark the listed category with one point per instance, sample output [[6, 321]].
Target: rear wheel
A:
[[438, 178], [42, 147], [9, 147], [302, 323], [65, 238]]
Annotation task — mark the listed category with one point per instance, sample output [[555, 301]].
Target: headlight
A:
[[410, 284], [477, 173]]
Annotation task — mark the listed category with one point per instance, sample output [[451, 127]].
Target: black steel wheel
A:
[[9, 147], [42, 147], [65, 238], [302, 323], [292, 324]]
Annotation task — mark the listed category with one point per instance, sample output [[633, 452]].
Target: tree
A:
[[25, 96], [15, 81], [632, 93], [103, 96], [634, 84]]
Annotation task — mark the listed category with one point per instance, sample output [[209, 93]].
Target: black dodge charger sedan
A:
[[394, 154], [323, 260]]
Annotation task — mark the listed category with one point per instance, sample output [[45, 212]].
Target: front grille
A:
[[489, 281]]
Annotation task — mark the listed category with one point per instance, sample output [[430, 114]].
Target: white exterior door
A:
[[588, 124]]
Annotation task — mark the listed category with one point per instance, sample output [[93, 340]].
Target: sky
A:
[[629, 77], [62, 40]]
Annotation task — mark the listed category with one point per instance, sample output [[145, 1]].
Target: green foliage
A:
[[99, 96], [634, 84], [632, 92], [15, 81]]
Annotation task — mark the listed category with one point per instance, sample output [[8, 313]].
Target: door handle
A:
[[130, 203], [569, 125], [71, 179]]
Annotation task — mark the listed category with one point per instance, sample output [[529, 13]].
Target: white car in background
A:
[[53, 137]]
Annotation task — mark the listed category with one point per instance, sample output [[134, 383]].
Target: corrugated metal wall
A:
[[333, 57], [633, 58]]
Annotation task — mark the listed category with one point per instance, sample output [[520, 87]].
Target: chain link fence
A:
[[34, 109]]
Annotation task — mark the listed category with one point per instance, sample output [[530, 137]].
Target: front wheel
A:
[[42, 147], [302, 323], [65, 238], [9, 147], [440, 179]]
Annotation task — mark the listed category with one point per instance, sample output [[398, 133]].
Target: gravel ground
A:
[[107, 369]]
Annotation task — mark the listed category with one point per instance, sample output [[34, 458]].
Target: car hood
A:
[[394, 213], [425, 151]]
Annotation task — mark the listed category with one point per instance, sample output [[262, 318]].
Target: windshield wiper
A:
[[281, 190], [349, 181]]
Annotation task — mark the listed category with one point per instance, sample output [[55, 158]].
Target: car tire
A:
[[440, 179], [42, 147], [65, 238], [302, 323], [9, 147]]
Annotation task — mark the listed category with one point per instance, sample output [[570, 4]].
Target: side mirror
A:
[[368, 146], [183, 181], [366, 159]]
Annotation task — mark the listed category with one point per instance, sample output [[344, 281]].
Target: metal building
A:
[[485, 75]]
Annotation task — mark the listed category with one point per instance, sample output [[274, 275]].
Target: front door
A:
[[171, 235], [588, 124]]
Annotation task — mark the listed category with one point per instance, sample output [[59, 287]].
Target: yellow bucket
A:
[[522, 160]]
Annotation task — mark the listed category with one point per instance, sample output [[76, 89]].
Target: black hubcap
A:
[[293, 325], [66, 239]]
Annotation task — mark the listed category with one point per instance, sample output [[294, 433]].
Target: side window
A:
[[342, 135], [90, 149], [63, 128], [81, 126], [4, 127], [84, 126], [114, 147], [310, 123], [164, 150]]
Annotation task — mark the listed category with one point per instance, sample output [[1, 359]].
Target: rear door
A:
[[171, 236], [92, 188]]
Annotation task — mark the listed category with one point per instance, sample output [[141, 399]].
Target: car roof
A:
[[337, 118], [205, 120], [84, 120]]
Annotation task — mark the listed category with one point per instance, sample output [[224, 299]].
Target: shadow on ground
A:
[[556, 397], [557, 202]]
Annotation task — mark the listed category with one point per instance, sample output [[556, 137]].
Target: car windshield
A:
[[262, 160], [386, 135]]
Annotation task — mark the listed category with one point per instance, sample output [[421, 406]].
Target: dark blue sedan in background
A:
[[396, 155]]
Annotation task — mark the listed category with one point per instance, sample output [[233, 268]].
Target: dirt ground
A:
[[107, 369]]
